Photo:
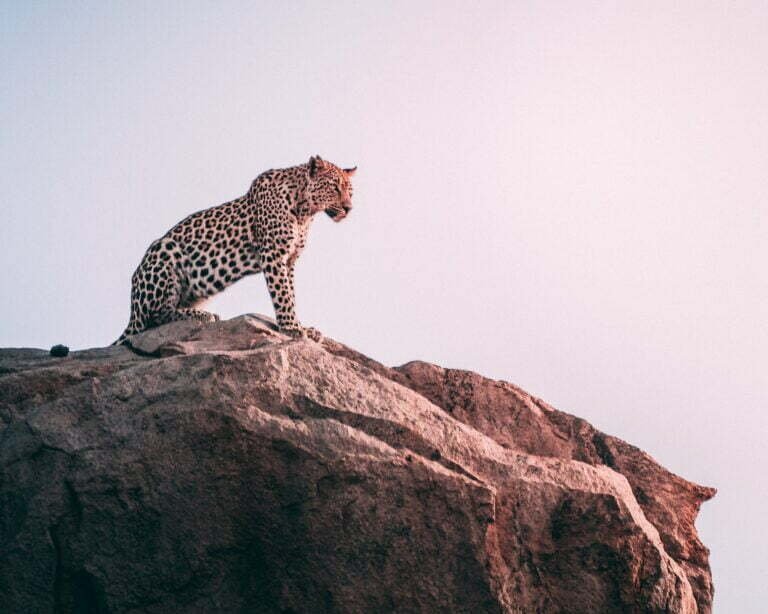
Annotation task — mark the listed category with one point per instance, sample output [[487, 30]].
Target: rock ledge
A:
[[225, 467]]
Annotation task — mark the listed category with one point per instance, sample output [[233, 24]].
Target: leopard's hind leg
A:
[[181, 313], [159, 292], [173, 303]]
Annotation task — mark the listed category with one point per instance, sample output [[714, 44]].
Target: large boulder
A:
[[227, 468]]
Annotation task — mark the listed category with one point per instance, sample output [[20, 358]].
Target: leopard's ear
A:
[[316, 163], [350, 171]]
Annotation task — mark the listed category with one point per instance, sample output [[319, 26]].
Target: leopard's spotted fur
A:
[[263, 231]]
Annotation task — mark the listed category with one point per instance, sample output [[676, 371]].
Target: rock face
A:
[[226, 468]]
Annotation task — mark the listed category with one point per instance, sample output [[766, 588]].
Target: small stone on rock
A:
[[59, 351]]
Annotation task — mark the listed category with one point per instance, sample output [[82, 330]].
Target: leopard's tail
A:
[[121, 339], [131, 329]]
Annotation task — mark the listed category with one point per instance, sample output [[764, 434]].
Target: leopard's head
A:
[[329, 188]]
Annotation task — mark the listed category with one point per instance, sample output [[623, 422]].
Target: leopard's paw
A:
[[302, 332], [292, 331], [313, 333], [200, 316]]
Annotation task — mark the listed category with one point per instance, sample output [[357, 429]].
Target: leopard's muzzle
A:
[[339, 212]]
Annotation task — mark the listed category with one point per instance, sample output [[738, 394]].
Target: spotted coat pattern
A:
[[263, 231]]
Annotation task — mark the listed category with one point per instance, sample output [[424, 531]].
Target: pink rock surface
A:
[[225, 467]]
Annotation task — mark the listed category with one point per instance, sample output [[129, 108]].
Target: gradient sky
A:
[[567, 195]]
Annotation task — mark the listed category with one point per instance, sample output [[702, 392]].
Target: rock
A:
[[226, 467]]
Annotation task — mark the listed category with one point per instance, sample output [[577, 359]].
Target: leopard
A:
[[263, 231]]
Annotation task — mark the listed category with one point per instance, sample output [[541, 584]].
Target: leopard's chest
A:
[[299, 242]]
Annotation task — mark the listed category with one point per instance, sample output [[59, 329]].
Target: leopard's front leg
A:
[[279, 277]]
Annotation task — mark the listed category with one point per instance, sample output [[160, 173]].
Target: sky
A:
[[571, 196]]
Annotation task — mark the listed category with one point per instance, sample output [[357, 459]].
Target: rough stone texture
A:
[[226, 468]]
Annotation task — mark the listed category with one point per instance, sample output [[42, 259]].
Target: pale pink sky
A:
[[567, 195]]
